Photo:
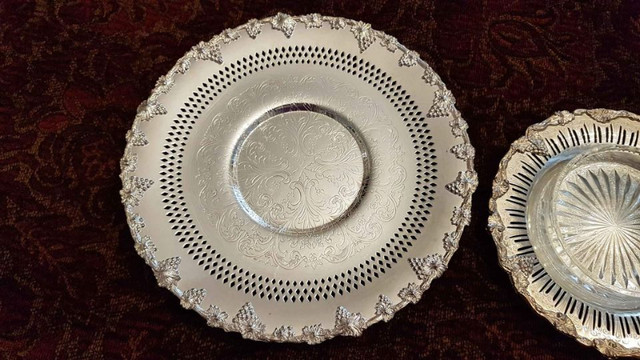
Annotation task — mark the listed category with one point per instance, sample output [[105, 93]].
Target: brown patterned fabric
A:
[[72, 75]]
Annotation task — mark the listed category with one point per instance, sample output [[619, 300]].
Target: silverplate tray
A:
[[566, 220], [298, 178]]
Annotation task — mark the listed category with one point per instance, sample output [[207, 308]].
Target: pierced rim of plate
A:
[[246, 320], [612, 333]]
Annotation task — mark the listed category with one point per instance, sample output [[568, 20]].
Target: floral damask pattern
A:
[[299, 171]]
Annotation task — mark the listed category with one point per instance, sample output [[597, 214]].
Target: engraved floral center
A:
[[299, 168]]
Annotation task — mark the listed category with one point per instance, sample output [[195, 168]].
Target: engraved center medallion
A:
[[298, 168]]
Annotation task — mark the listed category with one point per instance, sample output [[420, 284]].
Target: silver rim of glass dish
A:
[[298, 178], [565, 219]]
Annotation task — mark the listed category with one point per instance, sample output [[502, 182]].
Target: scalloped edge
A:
[[246, 321], [517, 273]]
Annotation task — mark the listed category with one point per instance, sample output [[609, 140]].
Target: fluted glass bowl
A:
[[583, 221]]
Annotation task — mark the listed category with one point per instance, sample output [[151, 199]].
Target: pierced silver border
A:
[[519, 267], [247, 321]]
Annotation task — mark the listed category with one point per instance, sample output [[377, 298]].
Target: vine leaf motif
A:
[[532, 143], [248, 323], [312, 21], [384, 308], [363, 34], [253, 28], [337, 23], [229, 35], [500, 187], [431, 266], [564, 117], [136, 137], [603, 115], [495, 223], [284, 23], [458, 126], [167, 272], [442, 104], [146, 248], [411, 293], [525, 263], [148, 109], [430, 76], [313, 334], [465, 183], [283, 333], [463, 151], [450, 241], [350, 324], [215, 316], [136, 223], [129, 161], [562, 322], [389, 42], [409, 58], [208, 51], [184, 64], [164, 84], [461, 215], [192, 298], [133, 189]]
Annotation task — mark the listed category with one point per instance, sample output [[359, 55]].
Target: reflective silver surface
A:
[[298, 178], [566, 221], [299, 168]]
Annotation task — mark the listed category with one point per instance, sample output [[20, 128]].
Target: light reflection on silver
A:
[[298, 214], [392, 239]]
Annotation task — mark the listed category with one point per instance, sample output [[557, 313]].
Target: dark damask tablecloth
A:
[[72, 75]]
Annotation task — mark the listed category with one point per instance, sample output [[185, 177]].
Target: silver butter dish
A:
[[566, 219]]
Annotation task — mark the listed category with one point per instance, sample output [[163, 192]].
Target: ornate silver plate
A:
[[298, 178], [566, 220]]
